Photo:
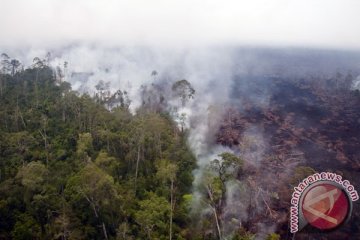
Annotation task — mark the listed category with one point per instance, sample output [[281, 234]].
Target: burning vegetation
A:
[[169, 158], [305, 125]]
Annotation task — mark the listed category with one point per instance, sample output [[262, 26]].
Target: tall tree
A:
[[218, 173], [5, 67], [166, 171], [183, 90], [99, 190], [5, 63], [15, 64], [154, 73]]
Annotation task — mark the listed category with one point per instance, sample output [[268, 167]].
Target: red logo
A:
[[325, 206]]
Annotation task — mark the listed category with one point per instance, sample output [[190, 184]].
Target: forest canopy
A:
[[75, 166]]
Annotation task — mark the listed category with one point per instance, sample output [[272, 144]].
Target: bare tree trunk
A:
[[175, 133], [159, 144], [1, 85], [43, 134], [217, 222], [96, 215], [149, 234], [137, 165], [92, 205], [22, 118], [36, 88], [64, 226], [17, 113], [171, 207], [63, 113], [107, 140], [104, 230], [215, 212]]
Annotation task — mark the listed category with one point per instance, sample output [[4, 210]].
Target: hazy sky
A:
[[315, 23]]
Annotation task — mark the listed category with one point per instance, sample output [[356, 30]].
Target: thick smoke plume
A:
[[222, 78]]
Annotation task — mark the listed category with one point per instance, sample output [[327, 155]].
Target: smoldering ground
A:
[[235, 86], [224, 78]]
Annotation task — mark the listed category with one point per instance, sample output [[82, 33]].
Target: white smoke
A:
[[211, 71], [356, 84], [208, 70]]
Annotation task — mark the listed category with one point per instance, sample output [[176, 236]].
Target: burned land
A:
[[285, 128]]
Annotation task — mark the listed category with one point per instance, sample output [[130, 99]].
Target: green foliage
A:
[[228, 166], [26, 228], [242, 234], [93, 185], [166, 170], [214, 187], [152, 215], [32, 175], [273, 236], [107, 163], [183, 90], [84, 147], [78, 167], [215, 176]]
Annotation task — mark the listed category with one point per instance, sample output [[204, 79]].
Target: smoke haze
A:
[[321, 23], [122, 42]]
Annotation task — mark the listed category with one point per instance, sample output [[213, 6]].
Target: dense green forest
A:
[[75, 166], [70, 168]]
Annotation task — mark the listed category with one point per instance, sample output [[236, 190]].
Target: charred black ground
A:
[[312, 122]]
